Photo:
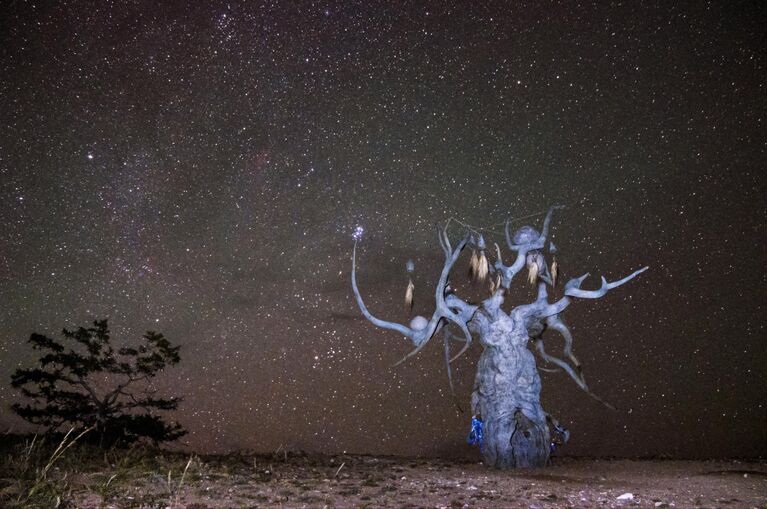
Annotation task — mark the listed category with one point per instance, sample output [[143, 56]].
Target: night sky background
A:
[[199, 170]]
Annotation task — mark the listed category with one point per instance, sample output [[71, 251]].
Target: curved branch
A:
[[406, 331], [457, 312], [508, 273], [447, 336], [467, 335], [439, 294], [463, 313], [444, 241], [573, 287], [421, 342], [567, 369], [546, 223], [442, 309], [541, 240], [555, 322], [541, 309]]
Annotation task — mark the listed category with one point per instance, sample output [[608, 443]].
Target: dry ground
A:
[[154, 479]]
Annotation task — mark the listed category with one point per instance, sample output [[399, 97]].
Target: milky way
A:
[[201, 171]]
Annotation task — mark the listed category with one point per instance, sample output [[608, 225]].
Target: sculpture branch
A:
[[542, 310], [531, 244], [573, 287], [578, 378], [457, 311], [405, 331]]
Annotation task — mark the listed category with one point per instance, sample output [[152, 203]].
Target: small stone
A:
[[626, 496]]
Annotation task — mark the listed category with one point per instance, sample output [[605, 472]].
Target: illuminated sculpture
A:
[[517, 432]]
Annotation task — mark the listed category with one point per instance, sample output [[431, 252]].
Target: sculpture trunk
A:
[[507, 396]]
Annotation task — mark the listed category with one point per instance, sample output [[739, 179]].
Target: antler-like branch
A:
[[406, 331], [573, 287], [444, 241], [542, 309], [522, 249], [578, 378], [447, 336], [449, 308], [555, 322], [463, 313], [541, 240]]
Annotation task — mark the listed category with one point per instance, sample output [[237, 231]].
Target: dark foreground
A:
[[85, 478]]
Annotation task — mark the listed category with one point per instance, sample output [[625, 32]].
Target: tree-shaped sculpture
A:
[[506, 395]]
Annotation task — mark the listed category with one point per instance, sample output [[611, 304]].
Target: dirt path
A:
[[363, 481]]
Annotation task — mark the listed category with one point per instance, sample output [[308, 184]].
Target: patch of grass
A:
[[53, 471], [38, 478]]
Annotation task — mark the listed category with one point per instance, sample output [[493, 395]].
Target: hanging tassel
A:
[[554, 266], [532, 274], [495, 284], [473, 265], [482, 267], [410, 268], [554, 271]]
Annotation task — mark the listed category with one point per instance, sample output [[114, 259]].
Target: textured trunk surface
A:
[[507, 396]]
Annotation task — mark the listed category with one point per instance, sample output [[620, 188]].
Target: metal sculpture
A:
[[515, 430]]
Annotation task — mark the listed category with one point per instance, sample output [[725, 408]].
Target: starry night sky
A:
[[199, 170]]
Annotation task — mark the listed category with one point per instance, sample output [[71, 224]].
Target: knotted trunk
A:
[[507, 396]]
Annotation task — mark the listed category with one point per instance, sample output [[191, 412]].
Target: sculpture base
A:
[[515, 441]]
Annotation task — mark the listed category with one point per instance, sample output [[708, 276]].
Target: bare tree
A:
[[506, 395]]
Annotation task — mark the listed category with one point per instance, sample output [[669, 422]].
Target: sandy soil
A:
[[364, 481]]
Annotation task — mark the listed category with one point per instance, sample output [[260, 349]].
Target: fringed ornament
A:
[[483, 267], [495, 284], [409, 294], [410, 268], [478, 265], [554, 271], [473, 264], [554, 265], [532, 274]]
